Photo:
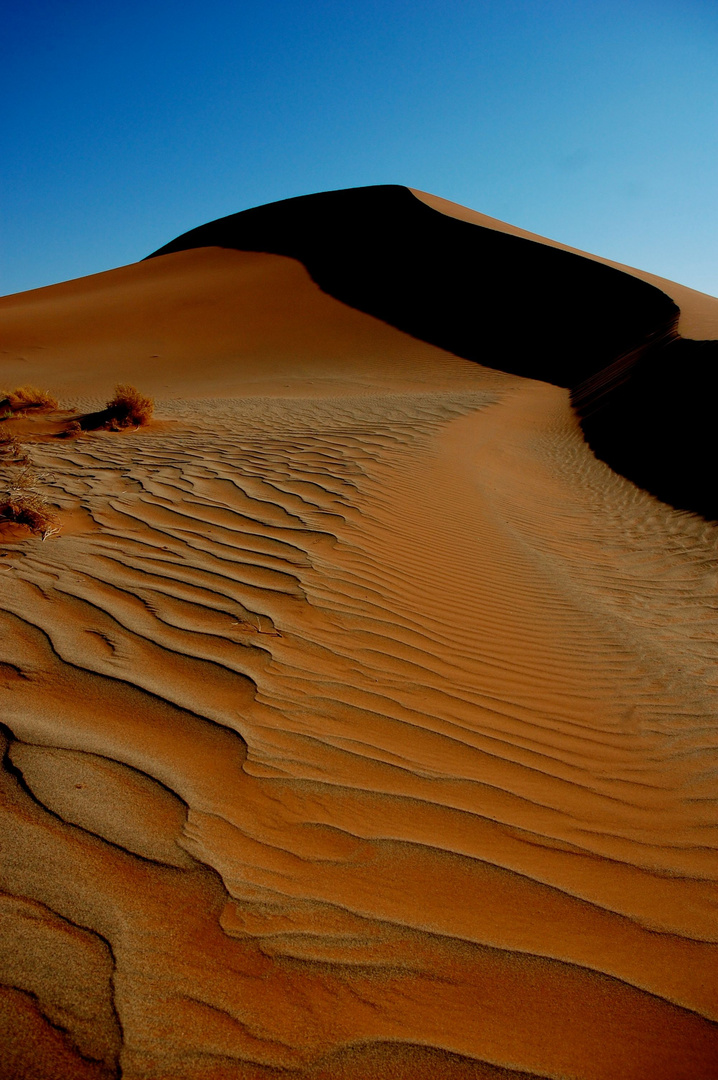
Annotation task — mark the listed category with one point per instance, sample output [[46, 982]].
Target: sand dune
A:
[[360, 722], [643, 387]]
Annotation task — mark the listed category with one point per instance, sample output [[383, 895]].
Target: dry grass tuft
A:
[[128, 408], [72, 429], [11, 450], [22, 505], [27, 397]]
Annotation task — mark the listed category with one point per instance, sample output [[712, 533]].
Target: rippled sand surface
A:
[[356, 731]]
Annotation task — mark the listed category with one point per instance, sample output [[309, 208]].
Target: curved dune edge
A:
[[209, 323]]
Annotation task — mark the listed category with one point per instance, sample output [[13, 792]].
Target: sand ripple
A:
[[361, 737]]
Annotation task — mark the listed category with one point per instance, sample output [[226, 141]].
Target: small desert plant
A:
[[22, 505], [26, 397], [128, 408], [71, 430], [11, 450]]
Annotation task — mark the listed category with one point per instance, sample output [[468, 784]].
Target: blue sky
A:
[[595, 123]]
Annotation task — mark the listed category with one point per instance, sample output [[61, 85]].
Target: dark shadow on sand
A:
[[509, 303]]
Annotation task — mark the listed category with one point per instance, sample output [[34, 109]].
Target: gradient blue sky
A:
[[595, 123]]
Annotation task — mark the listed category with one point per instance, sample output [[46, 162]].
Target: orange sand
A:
[[360, 723]]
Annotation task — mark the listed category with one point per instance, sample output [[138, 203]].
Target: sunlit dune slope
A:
[[360, 723], [203, 323]]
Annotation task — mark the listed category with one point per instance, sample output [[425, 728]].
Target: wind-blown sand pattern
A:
[[360, 722]]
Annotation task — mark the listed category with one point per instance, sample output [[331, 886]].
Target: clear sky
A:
[[594, 122]]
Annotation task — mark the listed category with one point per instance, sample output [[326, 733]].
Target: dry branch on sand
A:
[[26, 397], [21, 504]]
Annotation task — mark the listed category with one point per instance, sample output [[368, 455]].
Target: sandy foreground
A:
[[359, 723]]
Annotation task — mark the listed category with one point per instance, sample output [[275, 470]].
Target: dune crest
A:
[[365, 725]]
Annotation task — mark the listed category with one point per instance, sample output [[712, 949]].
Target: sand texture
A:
[[360, 722]]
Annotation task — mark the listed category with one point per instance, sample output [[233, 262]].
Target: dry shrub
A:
[[30, 510], [27, 397], [22, 505], [128, 408], [11, 450], [72, 429]]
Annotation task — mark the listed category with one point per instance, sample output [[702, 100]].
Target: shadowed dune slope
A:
[[698, 316], [653, 417]]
